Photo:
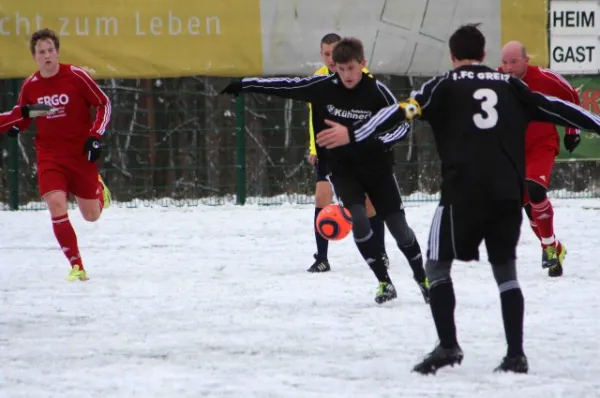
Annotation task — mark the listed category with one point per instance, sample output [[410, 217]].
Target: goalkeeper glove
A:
[[411, 108], [571, 141], [91, 148]]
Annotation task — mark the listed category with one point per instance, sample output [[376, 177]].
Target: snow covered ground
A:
[[215, 302]]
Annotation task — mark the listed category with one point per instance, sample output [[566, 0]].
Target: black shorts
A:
[[322, 169], [382, 189], [458, 230]]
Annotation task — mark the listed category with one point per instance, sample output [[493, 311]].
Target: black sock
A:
[[513, 308], [322, 243], [442, 303], [369, 249], [378, 228], [414, 256]]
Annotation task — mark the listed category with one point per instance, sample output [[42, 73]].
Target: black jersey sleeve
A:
[[389, 125], [545, 108], [391, 121], [430, 95], [387, 97], [298, 88]]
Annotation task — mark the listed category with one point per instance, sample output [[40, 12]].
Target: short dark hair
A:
[[331, 38], [347, 50], [43, 34], [467, 42]]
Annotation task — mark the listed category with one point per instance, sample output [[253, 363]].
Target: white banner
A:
[[403, 37], [575, 37]]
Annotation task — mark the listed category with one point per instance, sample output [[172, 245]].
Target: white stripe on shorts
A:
[[434, 234]]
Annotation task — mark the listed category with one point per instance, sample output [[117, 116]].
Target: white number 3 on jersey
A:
[[488, 119]]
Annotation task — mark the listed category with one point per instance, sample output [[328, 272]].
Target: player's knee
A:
[[361, 227], [57, 203], [323, 194], [399, 228], [370, 209], [91, 215], [536, 192], [437, 271], [505, 274], [90, 209]]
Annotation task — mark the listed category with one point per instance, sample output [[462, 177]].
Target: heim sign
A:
[[575, 37]]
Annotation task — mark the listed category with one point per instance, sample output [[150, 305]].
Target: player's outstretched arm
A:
[[430, 94], [554, 110], [9, 120], [388, 126], [423, 103], [557, 86], [397, 134], [298, 88], [389, 122]]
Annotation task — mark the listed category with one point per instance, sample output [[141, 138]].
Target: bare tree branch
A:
[[260, 147]]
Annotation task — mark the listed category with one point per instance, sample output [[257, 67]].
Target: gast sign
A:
[[575, 37]]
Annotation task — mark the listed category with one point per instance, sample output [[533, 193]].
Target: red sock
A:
[[101, 195], [543, 215], [65, 235], [534, 228]]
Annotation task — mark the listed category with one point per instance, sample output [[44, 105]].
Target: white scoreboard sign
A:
[[575, 37]]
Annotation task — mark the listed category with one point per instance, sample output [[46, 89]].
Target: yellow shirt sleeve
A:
[[311, 131], [312, 149]]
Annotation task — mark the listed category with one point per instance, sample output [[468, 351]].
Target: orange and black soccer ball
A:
[[334, 222]]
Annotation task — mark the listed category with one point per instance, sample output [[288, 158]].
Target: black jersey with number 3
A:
[[479, 117], [479, 129]]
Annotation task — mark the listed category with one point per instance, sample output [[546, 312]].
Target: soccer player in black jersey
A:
[[318, 158], [347, 96], [479, 117]]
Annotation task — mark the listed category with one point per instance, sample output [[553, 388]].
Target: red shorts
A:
[[77, 177], [539, 163]]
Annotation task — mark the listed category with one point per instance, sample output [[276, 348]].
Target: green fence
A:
[[177, 142]]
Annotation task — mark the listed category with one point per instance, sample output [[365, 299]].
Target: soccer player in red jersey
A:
[[67, 141], [542, 146]]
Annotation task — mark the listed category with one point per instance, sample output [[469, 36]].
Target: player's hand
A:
[[571, 141], [234, 88], [91, 149], [13, 132], [336, 135], [36, 110], [312, 159], [411, 108]]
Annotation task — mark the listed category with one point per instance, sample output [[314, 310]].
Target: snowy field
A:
[[215, 302]]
